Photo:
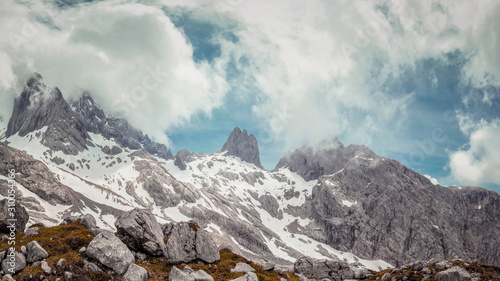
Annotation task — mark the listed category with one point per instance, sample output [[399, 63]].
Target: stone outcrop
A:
[[244, 146], [34, 176], [140, 231], [182, 157], [21, 216], [111, 252]]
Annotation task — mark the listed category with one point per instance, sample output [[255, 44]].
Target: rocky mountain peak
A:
[[327, 157], [40, 106], [96, 121], [242, 145]]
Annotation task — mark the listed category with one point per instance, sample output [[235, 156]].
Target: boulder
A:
[[187, 242], [247, 277], [268, 266], [90, 266], [318, 269], [201, 275], [181, 245], [111, 252], [13, 263], [242, 267], [443, 265], [455, 273], [32, 231], [386, 277], [178, 275], [88, 221], [8, 277], [206, 249], [135, 273], [35, 252], [46, 268], [20, 214], [140, 231]]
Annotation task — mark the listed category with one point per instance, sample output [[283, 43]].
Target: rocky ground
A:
[[140, 250]]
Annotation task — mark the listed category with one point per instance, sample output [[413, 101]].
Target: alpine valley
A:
[[330, 201]]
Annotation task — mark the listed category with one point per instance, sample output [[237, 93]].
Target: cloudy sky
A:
[[417, 81]]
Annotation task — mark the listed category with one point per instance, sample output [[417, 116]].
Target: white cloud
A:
[[321, 66], [433, 180], [479, 162], [129, 56]]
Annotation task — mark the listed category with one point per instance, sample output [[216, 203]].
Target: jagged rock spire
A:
[[244, 146]]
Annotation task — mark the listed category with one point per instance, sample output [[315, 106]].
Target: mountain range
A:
[[325, 201]]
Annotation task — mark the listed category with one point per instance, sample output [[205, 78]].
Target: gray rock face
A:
[[34, 175], [182, 157], [154, 176], [35, 252], [110, 252], [39, 106], [21, 215], [135, 273], [327, 158], [379, 209], [241, 145], [187, 243], [140, 231], [88, 221], [206, 249], [96, 121], [13, 264], [455, 273], [318, 269]]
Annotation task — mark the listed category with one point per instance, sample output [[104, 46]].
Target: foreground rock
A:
[[319, 269], [186, 243], [455, 273], [111, 252], [21, 216], [140, 231], [35, 252], [247, 277], [135, 273], [14, 263]]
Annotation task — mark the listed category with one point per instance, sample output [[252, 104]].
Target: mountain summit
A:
[[328, 157], [39, 106], [244, 146]]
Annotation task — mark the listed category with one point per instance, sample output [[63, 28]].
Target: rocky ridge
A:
[[96, 121], [39, 106]]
